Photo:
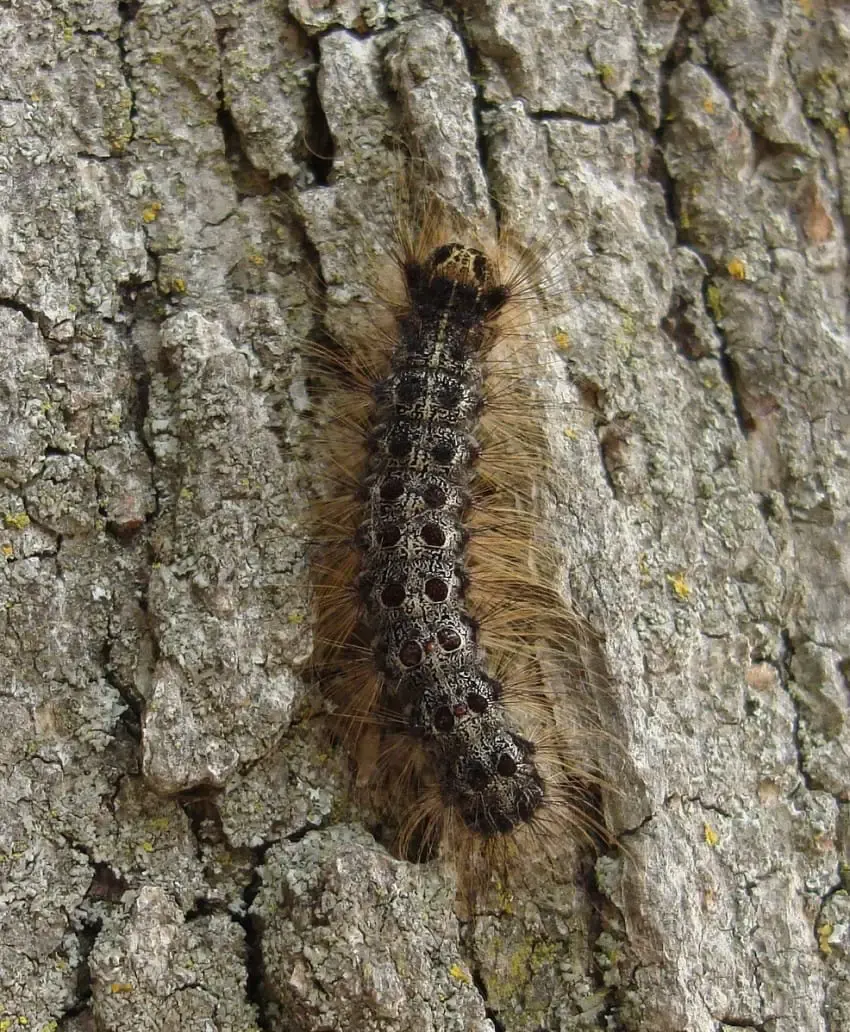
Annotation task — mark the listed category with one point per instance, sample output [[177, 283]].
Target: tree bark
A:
[[178, 849]]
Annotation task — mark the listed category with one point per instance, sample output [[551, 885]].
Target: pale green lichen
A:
[[715, 302]]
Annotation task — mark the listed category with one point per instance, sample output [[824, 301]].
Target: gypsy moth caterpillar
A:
[[440, 634]]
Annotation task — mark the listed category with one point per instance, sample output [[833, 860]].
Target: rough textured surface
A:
[[174, 174], [355, 939]]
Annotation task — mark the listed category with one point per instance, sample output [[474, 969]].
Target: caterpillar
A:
[[441, 638]]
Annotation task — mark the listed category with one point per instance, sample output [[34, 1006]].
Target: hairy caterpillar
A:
[[440, 630]]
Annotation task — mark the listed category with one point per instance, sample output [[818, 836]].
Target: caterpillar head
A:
[[460, 263], [459, 277], [492, 779]]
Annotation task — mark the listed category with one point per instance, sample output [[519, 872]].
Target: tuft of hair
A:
[[546, 657]]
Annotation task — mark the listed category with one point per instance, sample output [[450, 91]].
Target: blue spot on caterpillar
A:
[[439, 631]]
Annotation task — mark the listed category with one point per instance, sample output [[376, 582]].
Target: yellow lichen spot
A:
[[35, 98], [121, 987], [715, 302], [18, 520], [151, 213], [159, 823], [680, 586], [51, 1026], [147, 846], [607, 74], [460, 974], [99, 84], [737, 269], [842, 133], [562, 340], [178, 285], [6, 550], [256, 259], [711, 836], [708, 106], [23, 1019], [643, 565], [824, 932], [806, 7], [5, 1024], [570, 434], [187, 494], [295, 618]]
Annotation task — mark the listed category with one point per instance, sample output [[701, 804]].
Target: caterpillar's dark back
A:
[[413, 541]]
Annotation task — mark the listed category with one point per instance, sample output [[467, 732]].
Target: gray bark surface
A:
[[178, 846]]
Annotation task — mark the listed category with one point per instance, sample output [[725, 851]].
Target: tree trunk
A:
[[179, 846]]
